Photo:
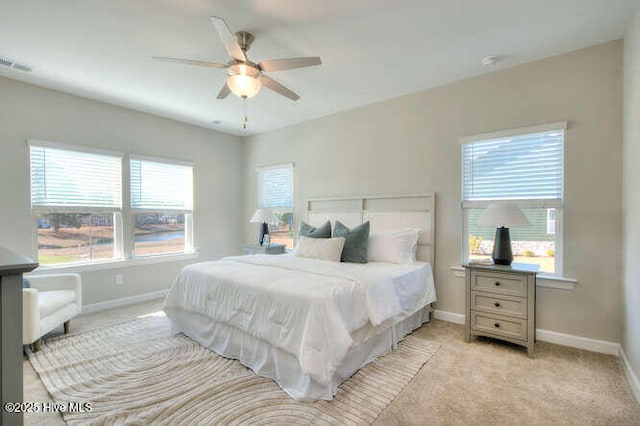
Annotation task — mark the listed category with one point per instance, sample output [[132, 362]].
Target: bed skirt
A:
[[283, 367]]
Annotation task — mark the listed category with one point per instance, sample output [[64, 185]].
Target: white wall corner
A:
[[116, 303], [632, 378]]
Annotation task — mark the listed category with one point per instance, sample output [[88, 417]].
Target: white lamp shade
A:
[[263, 215], [503, 214], [243, 86]]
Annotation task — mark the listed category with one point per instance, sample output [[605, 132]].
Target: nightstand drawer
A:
[[499, 325], [499, 304], [515, 285]]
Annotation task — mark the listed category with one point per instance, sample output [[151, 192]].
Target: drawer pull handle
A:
[[496, 325], [497, 304], [497, 282]]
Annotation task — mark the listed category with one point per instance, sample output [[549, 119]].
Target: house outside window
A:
[[275, 192], [521, 166]]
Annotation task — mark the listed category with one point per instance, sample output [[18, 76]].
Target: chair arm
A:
[[30, 316], [57, 282]]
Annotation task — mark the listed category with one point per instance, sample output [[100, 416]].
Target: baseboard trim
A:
[[579, 342], [448, 316], [631, 375], [116, 303]]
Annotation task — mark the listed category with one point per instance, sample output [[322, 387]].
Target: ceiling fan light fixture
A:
[[244, 78], [243, 86]]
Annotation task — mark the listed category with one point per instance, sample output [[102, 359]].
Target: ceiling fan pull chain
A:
[[246, 113]]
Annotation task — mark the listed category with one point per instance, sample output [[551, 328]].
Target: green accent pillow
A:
[[356, 242], [323, 231]]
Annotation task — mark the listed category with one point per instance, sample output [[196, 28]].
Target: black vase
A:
[[264, 230], [502, 254]]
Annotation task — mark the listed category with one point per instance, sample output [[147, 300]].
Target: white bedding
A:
[[313, 309]]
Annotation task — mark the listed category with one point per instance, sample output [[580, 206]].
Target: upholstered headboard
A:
[[384, 213]]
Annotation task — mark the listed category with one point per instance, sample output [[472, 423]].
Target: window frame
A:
[[123, 220], [279, 209], [188, 213], [558, 205]]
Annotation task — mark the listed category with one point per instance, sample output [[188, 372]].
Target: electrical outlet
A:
[[119, 279]]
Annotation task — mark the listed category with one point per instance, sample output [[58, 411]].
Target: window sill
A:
[[458, 271], [542, 280], [556, 282], [116, 264]]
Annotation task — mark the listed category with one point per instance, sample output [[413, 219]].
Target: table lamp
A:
[[502, 215], [264, 216]]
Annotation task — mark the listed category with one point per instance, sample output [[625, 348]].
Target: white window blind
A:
[[67, 179], [522, 167], [275, 187], [161, 186]]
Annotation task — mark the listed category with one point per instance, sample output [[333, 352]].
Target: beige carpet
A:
[[136, 372], [486, 382]]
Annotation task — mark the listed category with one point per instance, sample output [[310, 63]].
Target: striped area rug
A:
[[138, 373]]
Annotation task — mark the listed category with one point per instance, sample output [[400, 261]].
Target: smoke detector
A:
[[13, 64]]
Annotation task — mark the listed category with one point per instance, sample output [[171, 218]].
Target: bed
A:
[[309, 324]]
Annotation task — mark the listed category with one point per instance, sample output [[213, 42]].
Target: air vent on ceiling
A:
[[13, 64]]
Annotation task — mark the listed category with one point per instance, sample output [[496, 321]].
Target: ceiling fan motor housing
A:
[[244, 40], [243, 68]]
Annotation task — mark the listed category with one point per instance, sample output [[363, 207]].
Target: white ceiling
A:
[[371, 49]]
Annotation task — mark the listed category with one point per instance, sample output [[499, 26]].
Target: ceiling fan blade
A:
[[288, 64], [228, 39], [224, 92], [190, 62], [278, 88]]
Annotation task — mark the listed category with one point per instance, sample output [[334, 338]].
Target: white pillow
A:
[[320, 248], [397, 246]]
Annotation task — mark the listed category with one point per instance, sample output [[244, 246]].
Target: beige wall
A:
[[28, 111], [631, 196], [410, 144]]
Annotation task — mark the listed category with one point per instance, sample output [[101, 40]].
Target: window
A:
[[525, 167], [76, 198], [275, 192], [76, 201], [162, 207]]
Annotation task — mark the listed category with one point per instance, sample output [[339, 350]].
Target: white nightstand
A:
[[501, 303], [258, 249]]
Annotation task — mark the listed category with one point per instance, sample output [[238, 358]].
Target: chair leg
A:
[[66, 327], [36, 345]]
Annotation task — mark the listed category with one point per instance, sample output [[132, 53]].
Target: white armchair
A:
[[50, 301]]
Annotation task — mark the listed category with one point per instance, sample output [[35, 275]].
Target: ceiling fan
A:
[[245, 77]]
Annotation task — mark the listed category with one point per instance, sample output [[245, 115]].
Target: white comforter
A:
[[307, 307]]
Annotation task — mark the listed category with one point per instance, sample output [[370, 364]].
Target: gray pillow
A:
[[356, 242], [323, 231]]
